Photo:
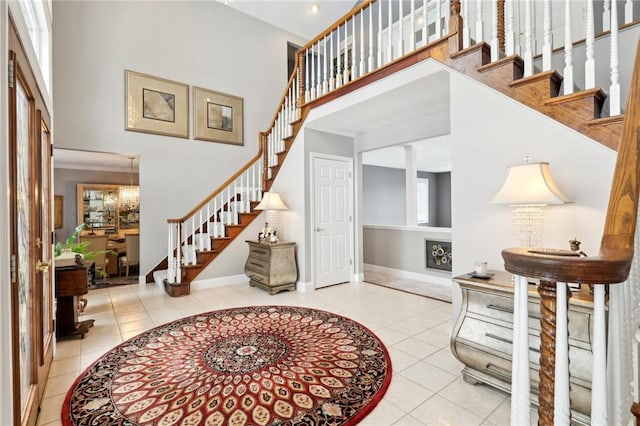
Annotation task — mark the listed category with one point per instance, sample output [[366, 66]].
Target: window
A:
[[36, 16], [422, 200]]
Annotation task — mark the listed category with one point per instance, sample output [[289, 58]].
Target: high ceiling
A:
[[296, 16]]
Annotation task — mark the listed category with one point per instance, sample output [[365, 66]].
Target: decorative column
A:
[[547, 292]]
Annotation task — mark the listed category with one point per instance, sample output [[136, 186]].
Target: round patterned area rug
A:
[[257, 365]]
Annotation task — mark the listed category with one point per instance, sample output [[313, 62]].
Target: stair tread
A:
[[553, 75], [470, 49], [517, 60], [193, 266], [606, 120], [597, 92]]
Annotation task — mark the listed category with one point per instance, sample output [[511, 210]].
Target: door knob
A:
[[42, 266]]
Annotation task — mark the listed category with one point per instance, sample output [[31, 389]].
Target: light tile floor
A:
[[426, 389]]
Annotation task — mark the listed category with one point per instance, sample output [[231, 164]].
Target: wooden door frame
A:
[[312, 225], [23, 72]]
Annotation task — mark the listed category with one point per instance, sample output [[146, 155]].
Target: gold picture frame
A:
[[156, 105], [57, 211], [217, 117]]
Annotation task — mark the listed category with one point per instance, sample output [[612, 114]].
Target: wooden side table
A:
[[71, 282], [272, 267]]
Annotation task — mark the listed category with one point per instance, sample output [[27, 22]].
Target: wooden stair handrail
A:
[[226, 183], [613, 262]]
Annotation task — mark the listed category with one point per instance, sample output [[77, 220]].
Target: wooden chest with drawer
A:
[[482, 338], [272, 267]]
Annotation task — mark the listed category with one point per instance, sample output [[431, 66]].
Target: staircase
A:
[[377, 47]]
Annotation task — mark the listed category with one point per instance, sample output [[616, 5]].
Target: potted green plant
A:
[[73, 246]]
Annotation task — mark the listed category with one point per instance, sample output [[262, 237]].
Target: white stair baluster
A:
[[446, 8], [345, 59], [325, 79], [362, 64], [425, 32], [561, 413], [380, 59], [614, 89], [606, 15], [400, 30], [179, 255], [390, 30], [480, 22], [528, 53], [589, 65], [599, 375], [313, 74], [628, 12], [215, 217], [209, 230], [306, 76], [509, 31], [371, 64], [495, 43], [466, 19], [568, 50], [547, 46], [339, 55], [332, 72], [319, 89], [171, 274], [412, 26], [520, 411], [439, 19], [354, 46]]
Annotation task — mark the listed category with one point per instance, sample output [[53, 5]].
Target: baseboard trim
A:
[[442, 278], [220, 281], [357, 278], [305, 287]]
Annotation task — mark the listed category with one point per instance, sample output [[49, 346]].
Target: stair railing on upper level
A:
[[377, 33], [612, 369], [371, 38]]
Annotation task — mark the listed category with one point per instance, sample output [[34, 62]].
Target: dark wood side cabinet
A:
[[483, 334], [71, 282], [272, 267]]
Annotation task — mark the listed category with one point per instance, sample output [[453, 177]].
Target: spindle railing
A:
[[373, 36], [612, 367]]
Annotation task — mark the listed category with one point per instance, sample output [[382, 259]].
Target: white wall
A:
[[198, 43], [490, 132]]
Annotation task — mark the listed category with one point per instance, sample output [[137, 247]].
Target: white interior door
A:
[[332, 220]]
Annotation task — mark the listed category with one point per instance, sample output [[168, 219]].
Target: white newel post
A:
[[561, 412], [520, 410], [568, 50], [614, 89]]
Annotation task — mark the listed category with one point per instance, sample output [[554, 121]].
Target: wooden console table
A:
[[483, 334], [272, 267], [71, 282]]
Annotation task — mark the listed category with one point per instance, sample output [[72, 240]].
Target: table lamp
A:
[[271, 202], [527, 188]]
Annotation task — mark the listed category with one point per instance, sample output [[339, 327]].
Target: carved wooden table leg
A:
[[547, 291]]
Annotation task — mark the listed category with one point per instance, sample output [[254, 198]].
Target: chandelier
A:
[[130, 194]]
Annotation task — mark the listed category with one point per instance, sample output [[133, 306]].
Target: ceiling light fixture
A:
[[315, 8], [129, 196]]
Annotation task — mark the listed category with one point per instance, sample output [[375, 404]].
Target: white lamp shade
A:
[[271, 201], [529, 184]]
